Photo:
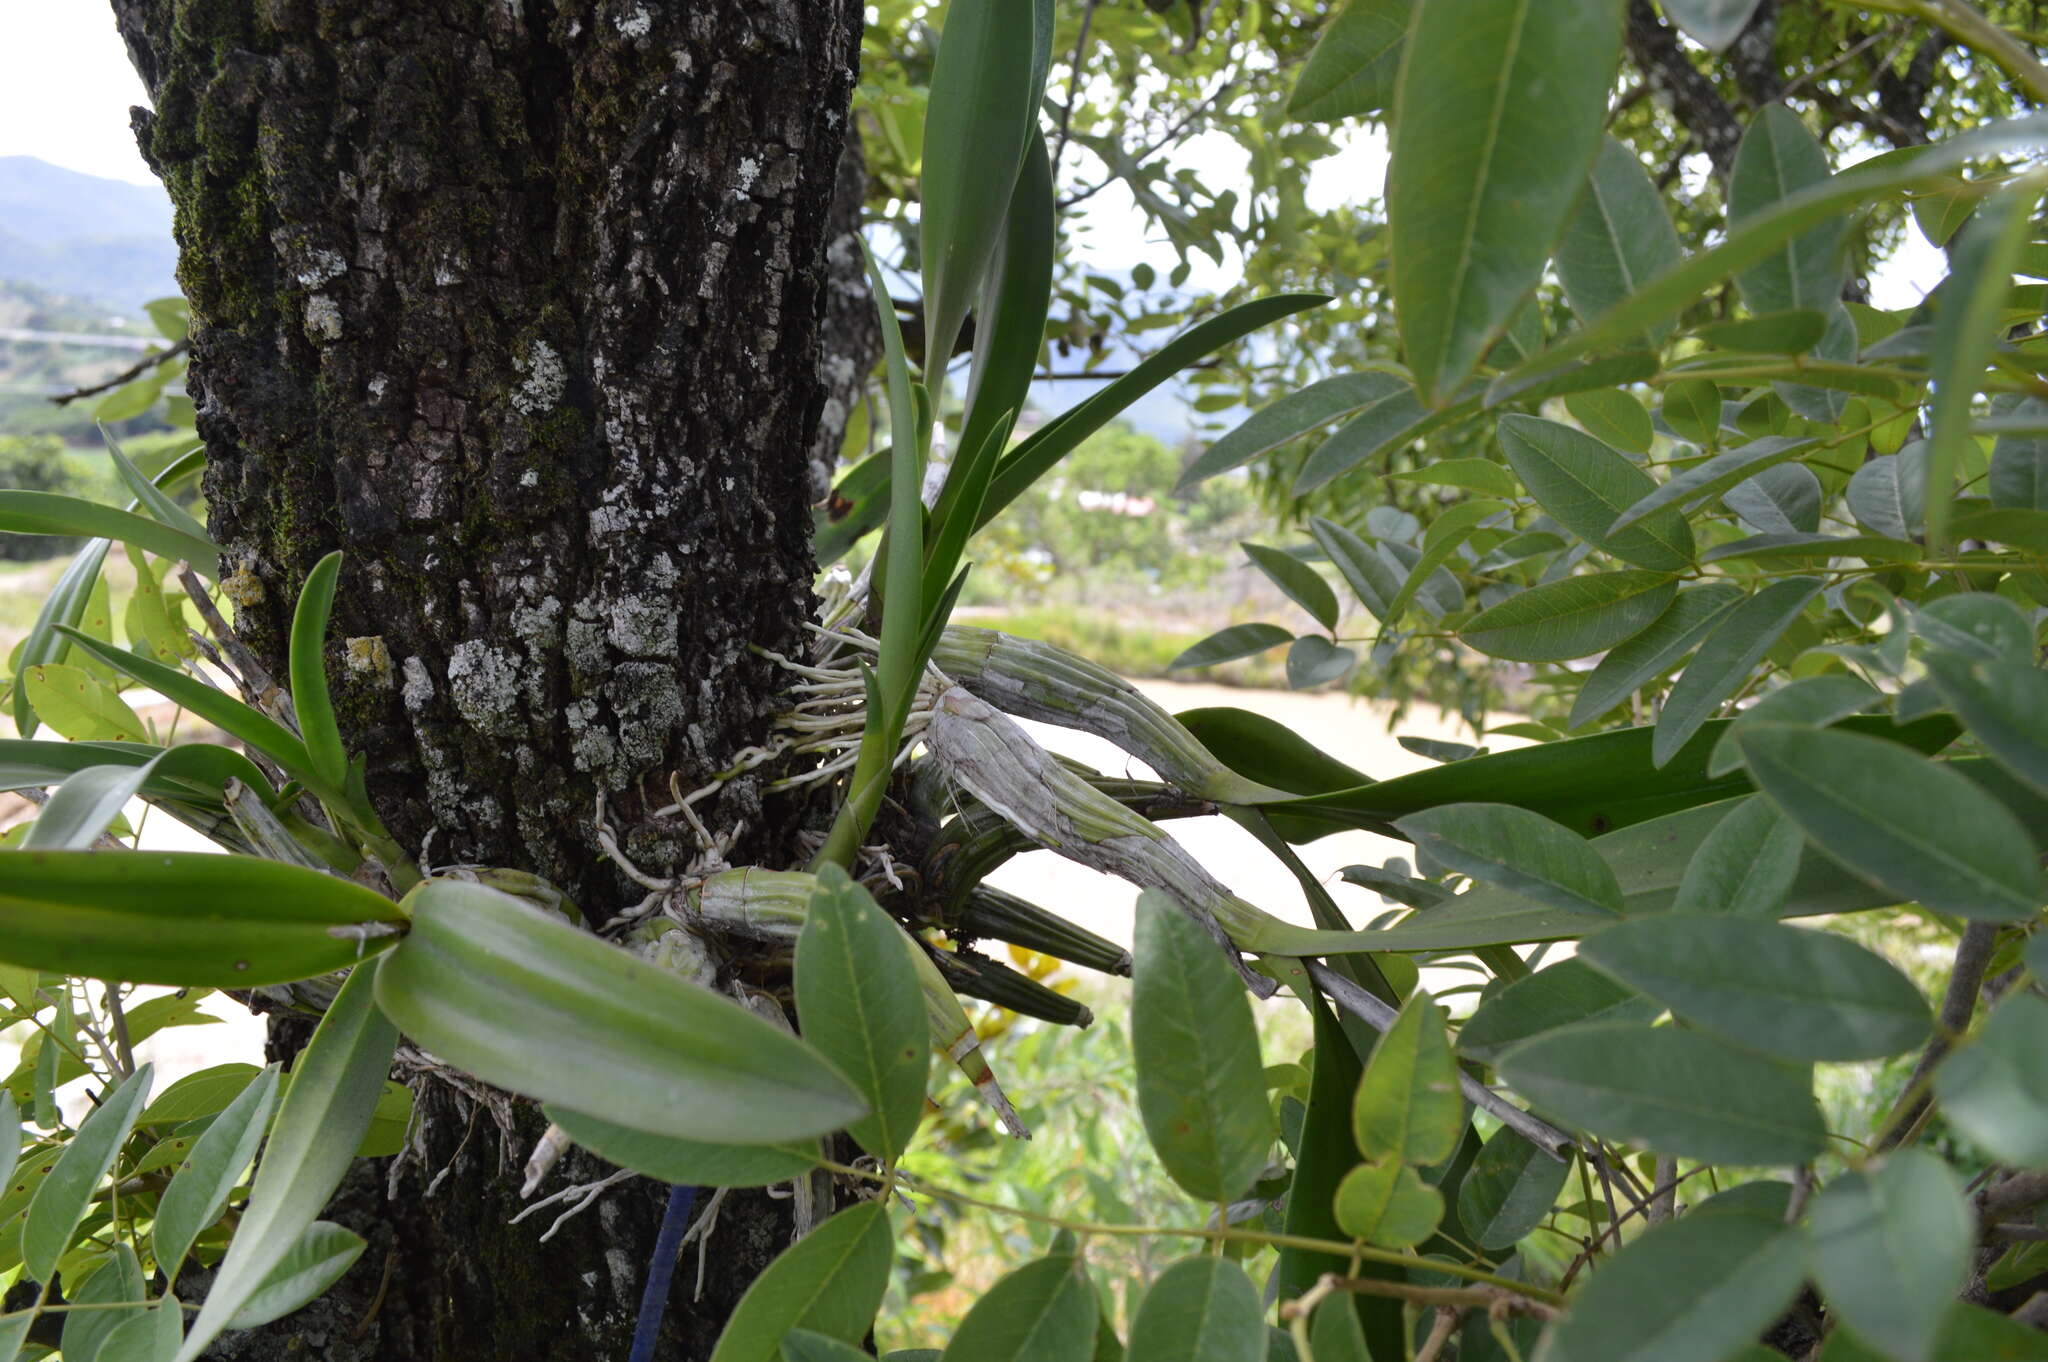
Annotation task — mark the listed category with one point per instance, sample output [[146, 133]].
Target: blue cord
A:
[[661, 1271]]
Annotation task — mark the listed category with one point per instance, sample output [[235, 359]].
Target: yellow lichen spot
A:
[[369, 657], [243, 587]]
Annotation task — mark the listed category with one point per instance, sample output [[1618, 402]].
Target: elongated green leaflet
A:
[[309, 673], [984, 103], [64, 606], [183, 917], [1478, 190], [63, 1195], [151, 497], [1908, 824], [192, 772], [82, 807], [230, 715], [199, 1190], [522, 999], [1665, 295], [1965, 329], [1798, 994], [692, 1163], [323, 1117], [55, 513]]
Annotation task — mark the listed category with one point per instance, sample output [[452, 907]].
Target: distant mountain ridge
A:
[[104, 240]]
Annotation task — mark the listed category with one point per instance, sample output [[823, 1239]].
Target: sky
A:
[[66, 85], [65, 89]]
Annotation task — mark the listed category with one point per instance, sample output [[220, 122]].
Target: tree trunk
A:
[[519, 305]]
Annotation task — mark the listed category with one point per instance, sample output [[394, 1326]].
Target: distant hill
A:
[[83, 236]]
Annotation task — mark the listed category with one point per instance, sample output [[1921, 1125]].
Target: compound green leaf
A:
[[84, 806], [2003, 702], [1388, 423], [801, 1345], [1197, 1055], [1043, 1312], [1906, 824], [1995, 1089], [1517, 850], [859, 1002], [1408, 1108], [2019, 463], [1965, 330], [1758, 237], [1229, 644], [1675, 1091], [688, 1163], [1564, 994], [1614, 418], [1301, 583], [829, 1282], [1508, 1190], [1816, 701], [1476, 475], [1747, 864], [1719, 474], [1891, 1249], [79, 705], [317, 1261], [116, 1282], [1388, 1204], [1199, 1310], [1713, 24], [1315, 661], [1293, 416], [1738, 642], [1694, 1290], [1798, 994], [1654, 651], [1777, 158]]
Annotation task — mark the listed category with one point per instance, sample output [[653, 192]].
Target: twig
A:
[[127, 375], [1439, 1338], [1074, 69], [1450, 1297], [119, 1020], [1379, 1016], [1958, 1005]]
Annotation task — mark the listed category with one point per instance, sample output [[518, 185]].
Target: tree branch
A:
[[1958, 1005], [127, 375], [1655, 50]]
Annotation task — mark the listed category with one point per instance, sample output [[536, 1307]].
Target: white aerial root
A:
[[585, 1193]]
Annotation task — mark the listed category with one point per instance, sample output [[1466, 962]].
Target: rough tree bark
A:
[[519, 304]]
